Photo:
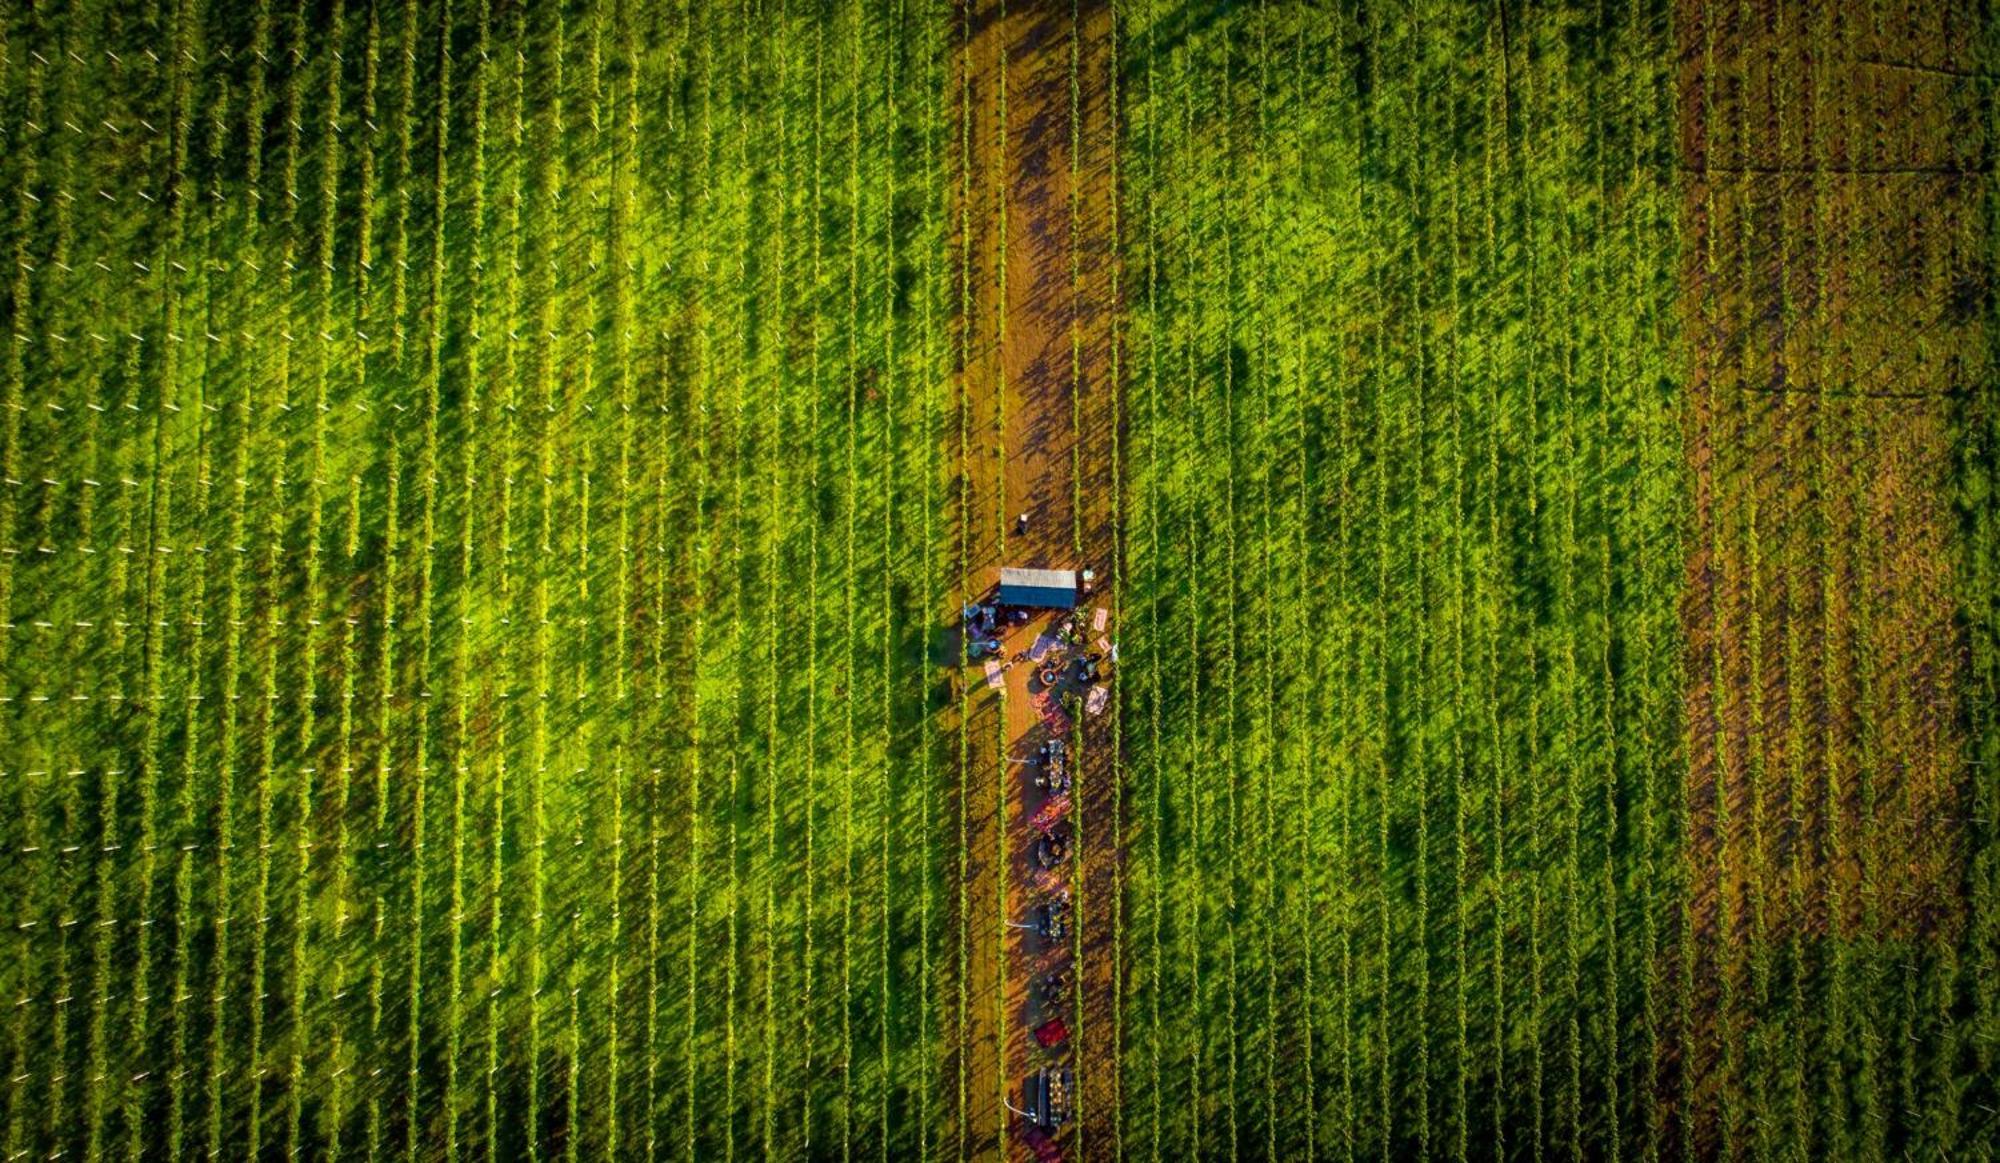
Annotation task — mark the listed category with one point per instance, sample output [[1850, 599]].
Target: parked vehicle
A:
[[1048, 1097]]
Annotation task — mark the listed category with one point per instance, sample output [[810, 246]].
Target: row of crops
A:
[[1419, 865], [473, 499]]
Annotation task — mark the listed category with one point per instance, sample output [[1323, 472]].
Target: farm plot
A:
[[1474, 815], [1401, 583], [484, 484], [1836, 197], [472, 488]]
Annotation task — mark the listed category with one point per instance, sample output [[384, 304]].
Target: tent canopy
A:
[[1042, 588]]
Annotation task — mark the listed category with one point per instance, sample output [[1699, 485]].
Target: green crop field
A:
[[1408, 713], [1427, 519], [465, 662], [486, 500]]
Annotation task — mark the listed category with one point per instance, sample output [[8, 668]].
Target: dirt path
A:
[[1831, 222], [1038, 410]]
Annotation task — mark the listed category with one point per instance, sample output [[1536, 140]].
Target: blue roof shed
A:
[[1040, 588]]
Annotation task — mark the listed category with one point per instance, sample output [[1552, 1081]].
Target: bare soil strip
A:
[[1831, 221], [1037, 435]]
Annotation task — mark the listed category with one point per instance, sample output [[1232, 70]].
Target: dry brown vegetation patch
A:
[[1834, 177]]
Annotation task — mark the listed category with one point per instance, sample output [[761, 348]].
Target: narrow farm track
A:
[[1037, 434], [1835, 211]]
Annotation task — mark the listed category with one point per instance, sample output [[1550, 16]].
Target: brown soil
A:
[[1038, 435], [1831, 223]]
